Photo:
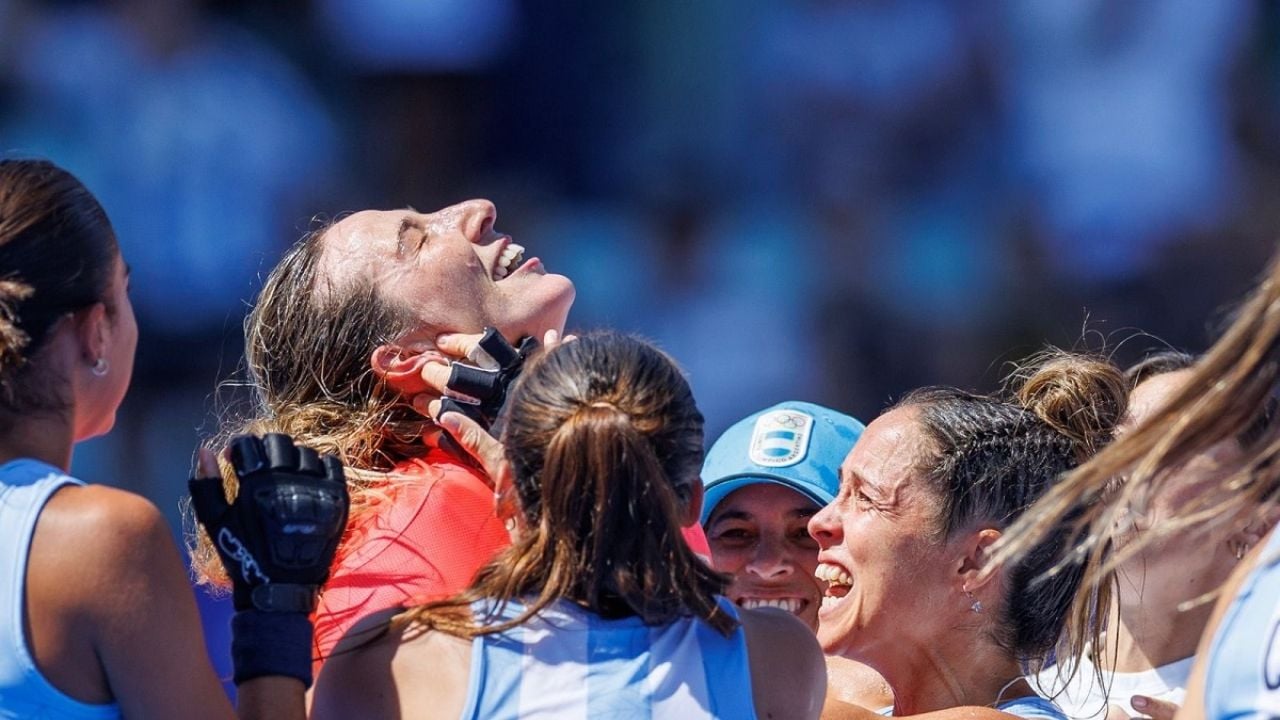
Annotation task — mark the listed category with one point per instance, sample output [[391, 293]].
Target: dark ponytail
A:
[[605, 444], [56, 253]]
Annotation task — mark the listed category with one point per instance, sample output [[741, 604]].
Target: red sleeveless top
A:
[[424, 539]]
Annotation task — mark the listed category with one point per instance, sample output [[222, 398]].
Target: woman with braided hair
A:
[[906, 545], [598, 608]]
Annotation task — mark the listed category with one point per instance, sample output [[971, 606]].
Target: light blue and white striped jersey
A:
[[1242, 679], [571, 664]]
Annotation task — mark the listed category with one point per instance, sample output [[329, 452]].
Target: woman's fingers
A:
[[465, 346], [206, 464], [552, 338], [478, 444], [1153, 708]]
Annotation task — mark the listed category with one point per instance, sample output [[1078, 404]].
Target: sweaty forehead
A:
[[362, 244], [1151, 395]]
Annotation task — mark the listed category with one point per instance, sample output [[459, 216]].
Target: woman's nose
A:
[[770, 560], [824, 526], [475, 219]]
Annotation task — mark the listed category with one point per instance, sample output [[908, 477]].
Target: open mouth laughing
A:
[[793, 605], [510, 258], [838, 580]]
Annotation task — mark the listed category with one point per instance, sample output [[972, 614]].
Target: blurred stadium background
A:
[[834, 200]]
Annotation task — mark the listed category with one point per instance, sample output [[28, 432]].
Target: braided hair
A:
[[990, 457]]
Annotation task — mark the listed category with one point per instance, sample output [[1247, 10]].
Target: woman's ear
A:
[[93, 332], [400, 366], [1244, 539], [973, 572]]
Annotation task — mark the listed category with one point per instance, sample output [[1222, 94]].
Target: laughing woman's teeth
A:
[[833, 574], [791, 605], [508, 261]]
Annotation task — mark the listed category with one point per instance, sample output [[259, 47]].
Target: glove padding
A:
[[487, 387], [278, 538]]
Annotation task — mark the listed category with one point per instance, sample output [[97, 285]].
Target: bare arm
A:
[[788, 674], [106, 558]]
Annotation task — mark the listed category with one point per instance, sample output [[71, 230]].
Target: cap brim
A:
[[721, 488]]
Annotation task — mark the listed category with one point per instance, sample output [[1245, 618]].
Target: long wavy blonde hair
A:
[[1230, 394], [307, 347]]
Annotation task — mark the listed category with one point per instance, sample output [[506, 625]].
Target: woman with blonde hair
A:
[[599, 608], [1229, 394], [1158, 614], [341, 339]]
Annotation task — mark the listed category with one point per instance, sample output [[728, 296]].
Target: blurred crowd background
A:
[[834, 200]]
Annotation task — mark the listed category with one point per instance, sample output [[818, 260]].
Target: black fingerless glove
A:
[[277, 541], [488, 387]]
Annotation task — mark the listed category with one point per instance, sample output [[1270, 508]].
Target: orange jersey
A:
[[423, 540]]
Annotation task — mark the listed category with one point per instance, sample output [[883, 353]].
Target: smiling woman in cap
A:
[[764, 478]]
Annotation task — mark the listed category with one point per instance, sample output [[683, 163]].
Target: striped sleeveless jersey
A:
[[571, 664]]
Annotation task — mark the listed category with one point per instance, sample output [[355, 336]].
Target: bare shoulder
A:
[[382, 670], [108, 515], [965, 713], [93, 536], [110, 607], [788, 674]]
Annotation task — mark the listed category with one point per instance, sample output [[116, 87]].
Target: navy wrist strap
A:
[[271, 643]]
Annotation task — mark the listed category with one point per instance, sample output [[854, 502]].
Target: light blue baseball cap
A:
[[795, 444]]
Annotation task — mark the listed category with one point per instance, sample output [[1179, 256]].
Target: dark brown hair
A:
[[605, 443], [989, 458], [56, 253]]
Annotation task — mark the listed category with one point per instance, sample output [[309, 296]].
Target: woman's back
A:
[[570, 663], [599, 607]]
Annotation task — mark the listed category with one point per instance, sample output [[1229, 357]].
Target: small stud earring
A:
[[977, 604], [1238, 548], [100, 367]]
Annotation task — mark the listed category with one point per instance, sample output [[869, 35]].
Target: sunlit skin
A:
[[442, 266], [97, 414], [1181, 567], [906, 610], [759, 534], [879, 531]]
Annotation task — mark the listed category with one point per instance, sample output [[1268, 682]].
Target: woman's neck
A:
[[972, 672], [40, 437], [1147, 629]]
